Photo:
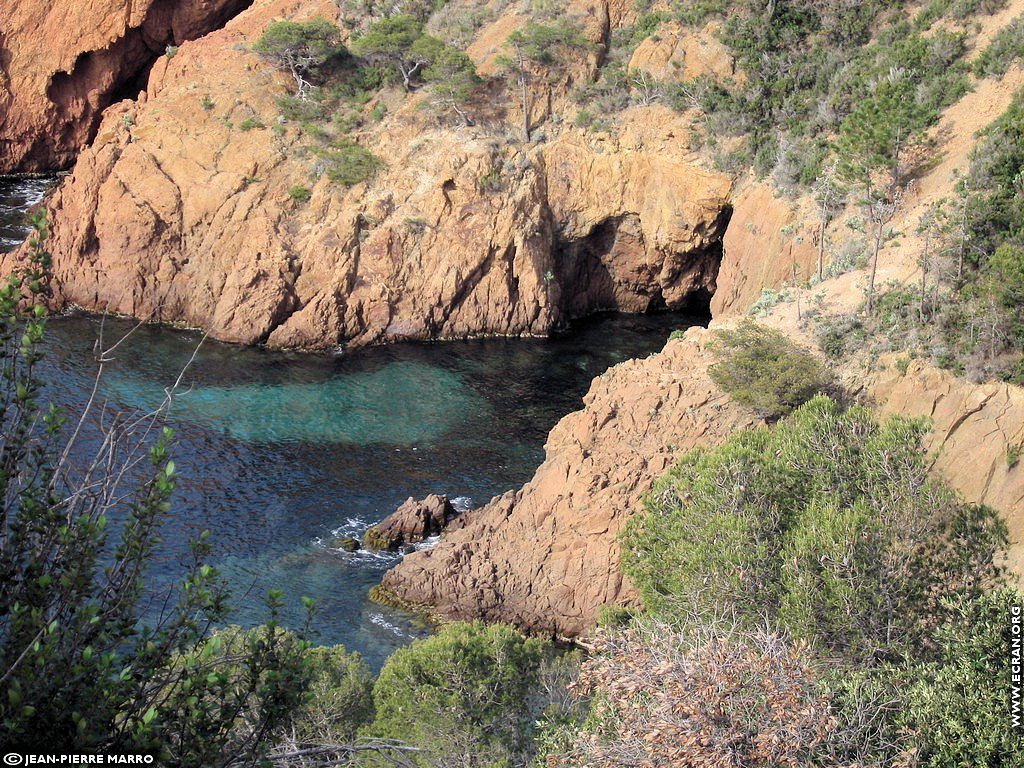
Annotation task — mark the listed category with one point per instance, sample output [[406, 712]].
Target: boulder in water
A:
[[412, 522], [346, 543]]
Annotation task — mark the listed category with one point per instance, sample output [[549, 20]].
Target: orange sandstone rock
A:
[[176, 214], [63, 62]]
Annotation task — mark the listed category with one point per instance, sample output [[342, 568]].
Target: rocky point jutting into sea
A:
[[173, 212]]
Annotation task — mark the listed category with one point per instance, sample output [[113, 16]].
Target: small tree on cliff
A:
[[454, 77], [301, 48], [539, 47], [880, 142], [398, 43]]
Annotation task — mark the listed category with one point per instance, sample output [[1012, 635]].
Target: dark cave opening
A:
[[608, 270]]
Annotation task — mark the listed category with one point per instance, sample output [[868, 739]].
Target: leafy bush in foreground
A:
[[827, 524], [81, 666], [952, 711], [461, 696]]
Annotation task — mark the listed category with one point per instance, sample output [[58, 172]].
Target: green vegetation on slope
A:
[[966, 313], [808, 579], [763, 370]]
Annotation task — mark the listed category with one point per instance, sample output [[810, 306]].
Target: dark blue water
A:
[[279, 453]]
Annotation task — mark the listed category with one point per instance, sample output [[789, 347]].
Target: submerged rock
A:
[[345, 543]]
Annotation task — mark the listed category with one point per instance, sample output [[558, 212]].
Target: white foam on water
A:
[[380, 621]]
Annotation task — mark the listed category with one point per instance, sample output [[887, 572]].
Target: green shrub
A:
[[839, 335], [461, 695], [953, 711], [299, 194], [763, 370], [1006, 48], [959, 706], [1013, 454], [340, 697], [491, 181], [827, 524], [250, 123], [347, 163], [628, 38], [696, 12], [614, 616]]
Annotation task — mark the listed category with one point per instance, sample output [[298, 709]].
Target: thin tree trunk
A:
[[924, 276], [466, 119], [821, 244], [880, 225], [525, 94]]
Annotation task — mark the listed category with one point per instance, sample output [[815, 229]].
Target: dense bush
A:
[[346, 163], [1006, 48], [828, 525], [950, 711], [339, 700], [762, 369], [462, 696], [996, 200]]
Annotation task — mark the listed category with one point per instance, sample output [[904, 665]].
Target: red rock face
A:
[[63, 62]]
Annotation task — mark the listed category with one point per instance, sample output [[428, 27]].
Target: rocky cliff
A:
[[546, 556], [177, 213], [62, 63]]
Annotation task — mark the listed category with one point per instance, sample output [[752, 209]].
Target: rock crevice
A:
[[63, 63]]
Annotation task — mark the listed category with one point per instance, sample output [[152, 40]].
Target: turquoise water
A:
[[424, 401], [279, 453]]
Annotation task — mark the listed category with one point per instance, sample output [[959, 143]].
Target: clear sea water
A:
[[281, 452]]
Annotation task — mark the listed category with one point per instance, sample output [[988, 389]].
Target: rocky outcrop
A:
[[414, 521], [546, 557], [977, 435], [177, 214], [680, 53], [63, 62], [768, 245]]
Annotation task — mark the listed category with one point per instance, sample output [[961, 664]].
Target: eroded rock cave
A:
[[614, 268]]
